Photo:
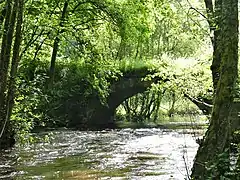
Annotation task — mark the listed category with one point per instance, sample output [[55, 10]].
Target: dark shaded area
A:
[[99, 115]]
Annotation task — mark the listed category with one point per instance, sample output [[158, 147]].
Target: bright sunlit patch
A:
[[116, 154]]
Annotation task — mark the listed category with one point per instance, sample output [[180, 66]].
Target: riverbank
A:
[[164, 125]]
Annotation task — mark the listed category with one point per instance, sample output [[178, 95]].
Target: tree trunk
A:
[[15, 60], [215, 67], [4, 48], [4, 64], [56, 44], [216, 140], [2, 17], [6, 84]]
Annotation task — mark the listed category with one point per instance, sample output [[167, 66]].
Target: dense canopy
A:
[[100, 63]]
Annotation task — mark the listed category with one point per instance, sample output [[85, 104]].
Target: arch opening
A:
[[158, 107]]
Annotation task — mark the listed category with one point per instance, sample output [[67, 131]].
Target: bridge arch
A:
[[130, 84], [98, 115]]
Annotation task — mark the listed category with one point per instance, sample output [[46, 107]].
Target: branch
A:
[[199, 12], [205, 107]]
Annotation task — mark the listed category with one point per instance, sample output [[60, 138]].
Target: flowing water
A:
[[141, 154]]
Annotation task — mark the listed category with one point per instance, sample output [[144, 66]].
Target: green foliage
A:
[[220, 169], [26, 111], [99, 41]]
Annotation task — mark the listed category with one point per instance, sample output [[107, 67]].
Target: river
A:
[[141, 154]]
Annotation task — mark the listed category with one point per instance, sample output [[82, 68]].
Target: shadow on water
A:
[[109, 154]]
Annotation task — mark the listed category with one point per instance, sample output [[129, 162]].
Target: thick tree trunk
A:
[[217, 136], [215, 28], [214, 21]]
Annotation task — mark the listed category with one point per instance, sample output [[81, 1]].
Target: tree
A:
[[13, 16], [216, 140], [93, 34], [56, 43]]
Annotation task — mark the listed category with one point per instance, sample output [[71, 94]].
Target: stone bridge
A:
[[129, 84], [100, 115]]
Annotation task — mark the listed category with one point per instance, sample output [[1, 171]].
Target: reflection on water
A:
[[115, 154]]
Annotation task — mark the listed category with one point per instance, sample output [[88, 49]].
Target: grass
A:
[[129, 65], [179, 122], [140, 65]]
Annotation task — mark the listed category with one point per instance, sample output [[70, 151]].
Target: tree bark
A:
[[216, 139], [4, 41], [7, 84], [56, 44], [15, 60], [6, 52], [2, 17], [4, 64], [217, 28]]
